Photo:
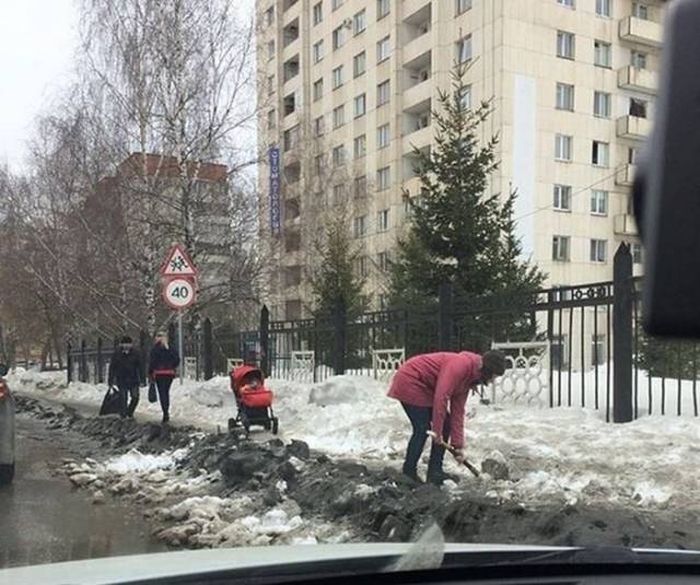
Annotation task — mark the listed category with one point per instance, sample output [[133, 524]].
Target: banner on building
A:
[[275, 211]]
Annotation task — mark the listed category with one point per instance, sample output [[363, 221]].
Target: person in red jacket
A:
[[433, 389]]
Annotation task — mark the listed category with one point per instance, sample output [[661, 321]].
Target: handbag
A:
[[111, 404], [152, 394]]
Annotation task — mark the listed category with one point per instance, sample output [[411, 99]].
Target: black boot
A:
[[438, 477], [412, 475], [166, 418]]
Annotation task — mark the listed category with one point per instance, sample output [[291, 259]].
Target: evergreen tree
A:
[[458, 232]]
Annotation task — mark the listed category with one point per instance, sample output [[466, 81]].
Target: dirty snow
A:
[[567, 453], [135, 462]]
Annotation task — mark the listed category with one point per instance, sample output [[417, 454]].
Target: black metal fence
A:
[[589, 347]]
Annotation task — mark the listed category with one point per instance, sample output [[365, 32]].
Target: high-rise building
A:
[[347, 88]]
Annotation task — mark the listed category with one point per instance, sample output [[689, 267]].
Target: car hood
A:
[[300, 559]]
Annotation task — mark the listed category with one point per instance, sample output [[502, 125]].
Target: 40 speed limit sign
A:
[[179, 293]]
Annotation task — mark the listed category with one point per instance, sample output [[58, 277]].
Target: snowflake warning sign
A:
[[178, 263]]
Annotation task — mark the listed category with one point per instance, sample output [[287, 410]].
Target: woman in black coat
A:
[[162, 369]]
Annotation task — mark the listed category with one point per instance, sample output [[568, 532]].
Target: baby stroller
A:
[[253, 399]]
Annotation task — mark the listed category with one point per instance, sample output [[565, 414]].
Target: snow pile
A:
[[136, 462]]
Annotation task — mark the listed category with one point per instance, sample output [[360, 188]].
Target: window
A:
[[566, 45], [383, 178], [465, 98], [337, 77], [602, 104], [383, 93], [270, 16], [359, 64], [383, 49], [603, 7], [632, 154], [600, 155], [318, 89], [602, 54], [599, 202], [638, 59], [383, 261], [383, 8], [292, 275], [271, 119], [599, 250], [318, 164], [338, 193], [319, 126], [359, 226], [567, 3], [318, 13], [637, 253], [339, 155], [462, 5], [338, 116], [359, 22], [464, 49], [383, 136], [338, 37], [383, 220], [565, 97], [292, 240], [560, 248], [271, 49], [317, 51], [598, 350], [638, 108], [360, 105], [640, 10], [562, 198], [361, 266], [337, 4], [360, 146], [291, 138], [292, 310], [360, 186], [563, 146], [271, 84]]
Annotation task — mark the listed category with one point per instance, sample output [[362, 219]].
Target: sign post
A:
[[179, 289]]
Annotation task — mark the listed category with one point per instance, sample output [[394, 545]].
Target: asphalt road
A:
[[43, 519]]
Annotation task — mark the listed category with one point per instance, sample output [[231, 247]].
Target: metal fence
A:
[[572, 346]]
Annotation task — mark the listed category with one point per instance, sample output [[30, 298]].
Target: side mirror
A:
[[667, 186], [3, 370]]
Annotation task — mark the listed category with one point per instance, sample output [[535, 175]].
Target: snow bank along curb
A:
[[563, 453], [216, 490]]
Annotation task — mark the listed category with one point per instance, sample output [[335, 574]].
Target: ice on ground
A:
[[136, 462]]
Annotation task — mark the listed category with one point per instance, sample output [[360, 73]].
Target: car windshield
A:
[[307, 272]]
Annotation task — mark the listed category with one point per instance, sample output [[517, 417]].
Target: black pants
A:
[[130, 394], [163, 384], [420, 418]]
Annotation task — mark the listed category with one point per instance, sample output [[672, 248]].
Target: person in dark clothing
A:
[[126, 373], [162, 369]]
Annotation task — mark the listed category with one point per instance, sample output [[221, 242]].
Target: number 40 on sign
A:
[[179, 293]]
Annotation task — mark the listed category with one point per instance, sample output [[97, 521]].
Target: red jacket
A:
[[237, 375], [434, 380]]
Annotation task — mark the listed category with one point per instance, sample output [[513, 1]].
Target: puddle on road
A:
[[44, 520]]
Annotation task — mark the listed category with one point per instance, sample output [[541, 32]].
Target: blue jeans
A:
[[420, 417]]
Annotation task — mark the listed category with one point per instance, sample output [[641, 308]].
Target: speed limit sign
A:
[[179, 293]]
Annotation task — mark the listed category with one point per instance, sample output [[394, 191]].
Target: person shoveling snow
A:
[[433, 390]]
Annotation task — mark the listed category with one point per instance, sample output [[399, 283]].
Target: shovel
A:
[[452, 450]]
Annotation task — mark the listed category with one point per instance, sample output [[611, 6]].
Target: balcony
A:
[[633, 128], [411, 7], [417, 49], [419, 139], [636, 79], [414, 97], [625, 175], [624, 225], [638, 30]]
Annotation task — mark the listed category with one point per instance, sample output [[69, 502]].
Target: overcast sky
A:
[[38, 40]]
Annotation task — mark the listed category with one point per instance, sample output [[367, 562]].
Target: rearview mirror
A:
[[3, 370], [667, 185]]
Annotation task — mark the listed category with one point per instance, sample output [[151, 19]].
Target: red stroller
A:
[[253, 399]]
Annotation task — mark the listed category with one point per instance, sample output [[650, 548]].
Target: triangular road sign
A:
[[178, 263]]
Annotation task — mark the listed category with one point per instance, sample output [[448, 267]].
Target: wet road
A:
[[44, 519]]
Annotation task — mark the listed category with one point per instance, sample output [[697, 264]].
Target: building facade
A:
[[346, 92]]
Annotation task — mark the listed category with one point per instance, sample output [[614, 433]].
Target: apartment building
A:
[[346, 92]]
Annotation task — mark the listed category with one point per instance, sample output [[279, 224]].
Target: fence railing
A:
[[578, 346]]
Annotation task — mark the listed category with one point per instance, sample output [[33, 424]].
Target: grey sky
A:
[[37, 44]]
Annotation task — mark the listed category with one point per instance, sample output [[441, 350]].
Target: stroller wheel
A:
[[231, 425], [267, 425], [275, 426]]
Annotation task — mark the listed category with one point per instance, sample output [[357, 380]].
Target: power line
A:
[[582, 190]]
